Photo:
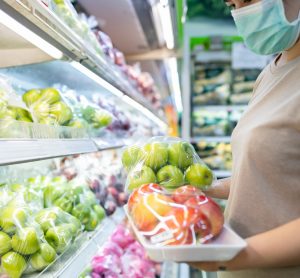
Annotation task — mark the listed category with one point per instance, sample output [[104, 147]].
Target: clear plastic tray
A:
[[225, 247], [13, 129]]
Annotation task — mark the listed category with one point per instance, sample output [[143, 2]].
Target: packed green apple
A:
[[171, 164], [40, 219], [47, 107]]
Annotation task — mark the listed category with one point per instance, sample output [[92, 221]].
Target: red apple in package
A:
[[185, 216]]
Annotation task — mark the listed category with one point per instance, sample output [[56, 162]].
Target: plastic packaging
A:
[[166, 205], [75, 198], [185, 216], [121, 257], [170, 162], [23, 247], [47, 106]]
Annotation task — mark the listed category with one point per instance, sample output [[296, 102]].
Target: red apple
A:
[[183, 193], [147, 210], [142, 191], [180, 222], [206, 206]]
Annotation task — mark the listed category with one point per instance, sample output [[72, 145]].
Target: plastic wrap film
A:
[[40, 219], [168, 161], [166, 205], [121, 257]]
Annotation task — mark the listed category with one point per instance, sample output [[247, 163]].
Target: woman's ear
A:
[[292, 9]]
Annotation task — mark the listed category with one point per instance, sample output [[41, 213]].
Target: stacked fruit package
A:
[[65, 10], [73, 197], [166, 205], [13, 112], [24, 246], [86, 113]]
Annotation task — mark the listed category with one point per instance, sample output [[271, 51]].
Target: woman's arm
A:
[[279, 247], [220, 189]]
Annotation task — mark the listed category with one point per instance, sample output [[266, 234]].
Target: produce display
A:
[[121, 257], [105, 180], [166, 204], [219, 84], [216, 155], [215, 123], [40, 219]]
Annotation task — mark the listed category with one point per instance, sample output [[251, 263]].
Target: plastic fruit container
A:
[[223, 248]]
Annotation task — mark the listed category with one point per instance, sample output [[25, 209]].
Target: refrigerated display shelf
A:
[[223, 139], [79, 255], [18, 151], [43, 22]]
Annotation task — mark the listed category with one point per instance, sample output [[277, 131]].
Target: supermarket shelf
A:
[[18, 151], [219, 107], [108, 144], [223, 139], [222, 174], [56, 39]]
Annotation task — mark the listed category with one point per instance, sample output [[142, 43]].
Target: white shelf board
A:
[[222, 173], [223, 139], [18, 151]]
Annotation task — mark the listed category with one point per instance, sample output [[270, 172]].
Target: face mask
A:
[[265, 28]]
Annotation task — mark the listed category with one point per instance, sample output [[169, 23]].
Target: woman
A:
[[264, 190]]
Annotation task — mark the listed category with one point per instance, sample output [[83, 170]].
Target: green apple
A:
[[61, 112], [136, 178], [72, 228], [170, 177], [99, 210], [12, 217], [89, 198], [41, 259], [24, 119], [64, 203], [47, 252], [78, 123], [101, 119], [81, 212], [50, 95], [31, 96], [199, 175], [5, 243], [155, 155], [13, 264], [48, 121], [16, 187], [181, 154], [52, 193], [11, 113], [46, 219], [59, 237], [130, 157], [40, 110], [93, 222], [25, 241]]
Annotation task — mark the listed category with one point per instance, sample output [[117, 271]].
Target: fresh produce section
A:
[[40, 219], [220, 92]]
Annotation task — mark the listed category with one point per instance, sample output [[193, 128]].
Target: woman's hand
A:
[[220, 189], [279, 247]]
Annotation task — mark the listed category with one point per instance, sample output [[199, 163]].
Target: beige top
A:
[[265, 188]]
